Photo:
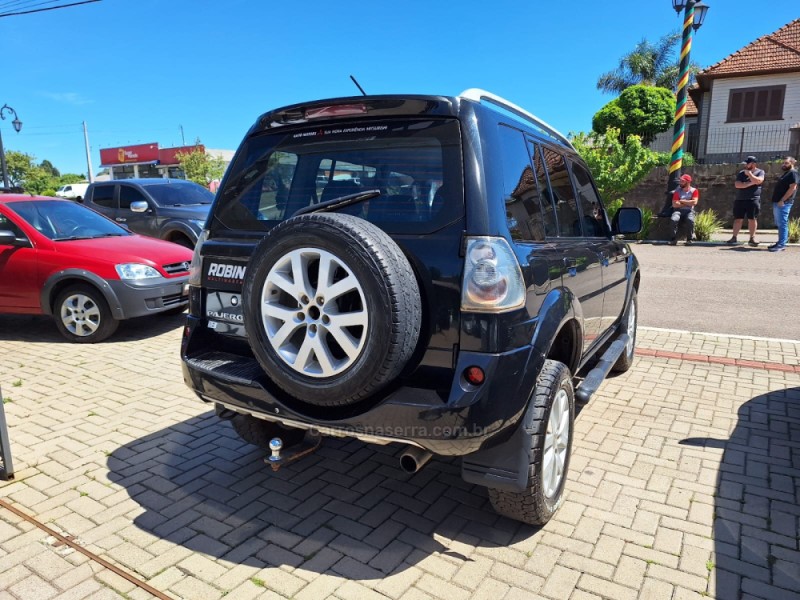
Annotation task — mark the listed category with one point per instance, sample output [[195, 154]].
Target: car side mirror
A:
[[627, 220], [139, 206], [9, 238]]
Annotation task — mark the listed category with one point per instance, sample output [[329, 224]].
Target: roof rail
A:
[[481, 96]]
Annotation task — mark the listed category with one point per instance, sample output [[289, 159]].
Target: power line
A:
[[36, 10]]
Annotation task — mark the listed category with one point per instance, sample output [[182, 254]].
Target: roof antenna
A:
[[360, 89]]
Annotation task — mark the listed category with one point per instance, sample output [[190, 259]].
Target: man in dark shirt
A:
[[748, 199], [782, 200]]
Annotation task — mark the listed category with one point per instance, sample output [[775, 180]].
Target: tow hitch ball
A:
[[280, 456], [275, 445]]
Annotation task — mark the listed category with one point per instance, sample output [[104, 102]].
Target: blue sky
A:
[[138, 71]]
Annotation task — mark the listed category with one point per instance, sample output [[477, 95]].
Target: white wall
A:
[[719, 142]]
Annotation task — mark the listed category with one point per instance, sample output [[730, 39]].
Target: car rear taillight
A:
[[196, 266], [492, 277]]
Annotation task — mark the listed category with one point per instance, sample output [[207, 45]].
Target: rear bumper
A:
[[455, 422]]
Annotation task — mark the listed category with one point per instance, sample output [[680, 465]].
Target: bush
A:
[[613, 207], [647, 221], [794, 230], [706, 224]]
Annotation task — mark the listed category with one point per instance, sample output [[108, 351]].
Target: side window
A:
[[268, 197], [594, 218], [128, 194], [521, 194], [103, 195], [545, 197], [569, 223]]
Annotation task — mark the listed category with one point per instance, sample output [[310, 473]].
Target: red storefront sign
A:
[[140, 153], [167, 156]]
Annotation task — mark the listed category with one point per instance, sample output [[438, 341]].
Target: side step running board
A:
[[595, 377]]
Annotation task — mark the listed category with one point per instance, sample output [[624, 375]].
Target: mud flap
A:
[[507, 465]]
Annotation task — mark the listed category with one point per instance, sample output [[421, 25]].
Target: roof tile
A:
[[776, 52]]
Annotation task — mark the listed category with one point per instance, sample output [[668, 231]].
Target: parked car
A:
[[446, 301], [169, 209], [61, 259], [73, 191]]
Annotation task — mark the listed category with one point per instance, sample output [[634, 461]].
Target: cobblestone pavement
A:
[[684, 483]]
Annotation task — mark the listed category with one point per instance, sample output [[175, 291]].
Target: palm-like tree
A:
[[647, 64]]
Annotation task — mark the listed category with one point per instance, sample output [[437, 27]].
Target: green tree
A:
[[617, 165], [647, 64], [18, 165], [68, 178], [48, 168], [640, 110], [200, 167]]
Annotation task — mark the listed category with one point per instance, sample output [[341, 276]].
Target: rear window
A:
[[415, 164]]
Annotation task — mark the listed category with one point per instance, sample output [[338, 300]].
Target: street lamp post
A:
[[17, 126], [694, 13]]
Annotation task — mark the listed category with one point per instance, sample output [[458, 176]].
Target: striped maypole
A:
[[680, 106]]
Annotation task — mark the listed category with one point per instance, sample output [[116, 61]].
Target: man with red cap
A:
[[684, 199]]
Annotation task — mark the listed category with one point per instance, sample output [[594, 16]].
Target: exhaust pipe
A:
[[413, 459]]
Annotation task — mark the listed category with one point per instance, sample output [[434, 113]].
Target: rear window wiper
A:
[[339, 202]]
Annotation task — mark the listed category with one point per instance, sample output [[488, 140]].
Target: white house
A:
[[749, 103]]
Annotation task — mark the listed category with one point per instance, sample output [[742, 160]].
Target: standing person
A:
[[782, 199], [684, 199], [748, 199]]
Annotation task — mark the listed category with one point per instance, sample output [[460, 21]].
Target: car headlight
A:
[[136, 271]]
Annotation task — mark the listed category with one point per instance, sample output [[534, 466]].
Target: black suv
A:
[[423, 270], [171, 209]]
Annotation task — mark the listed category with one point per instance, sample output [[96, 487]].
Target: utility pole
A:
[[183, 140], [88, 155]]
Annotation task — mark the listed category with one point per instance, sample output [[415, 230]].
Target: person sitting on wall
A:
[[684, 199]]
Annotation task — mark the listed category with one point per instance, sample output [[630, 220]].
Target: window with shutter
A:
[[756, 104]]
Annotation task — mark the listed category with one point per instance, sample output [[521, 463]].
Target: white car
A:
[[73, 191]]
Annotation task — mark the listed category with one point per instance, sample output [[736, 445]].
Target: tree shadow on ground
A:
[[348, 507], [757, 505], [41, 328]]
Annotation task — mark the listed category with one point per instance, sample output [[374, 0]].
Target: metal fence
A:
[[731, 144]]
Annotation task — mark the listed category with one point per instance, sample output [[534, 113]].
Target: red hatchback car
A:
[[62, 259]]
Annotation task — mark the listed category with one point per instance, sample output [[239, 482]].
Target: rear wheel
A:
[[82, 315], [551, 445]]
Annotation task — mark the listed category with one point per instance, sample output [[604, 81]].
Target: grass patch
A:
[[710, 566], [258, 582], [17, 383]]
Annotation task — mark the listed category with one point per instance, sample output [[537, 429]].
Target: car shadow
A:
[[757, 504], [347, 509], [41, 329]]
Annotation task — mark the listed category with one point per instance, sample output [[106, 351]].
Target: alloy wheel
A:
[[314, 312]]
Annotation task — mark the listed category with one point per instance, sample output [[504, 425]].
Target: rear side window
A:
[[549, 220], [523, 211], [103, 195], [563, 196], [414, 164]]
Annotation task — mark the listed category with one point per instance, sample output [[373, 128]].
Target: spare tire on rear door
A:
[[332, 308]]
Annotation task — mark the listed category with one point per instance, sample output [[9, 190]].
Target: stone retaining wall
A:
[[715, 183]]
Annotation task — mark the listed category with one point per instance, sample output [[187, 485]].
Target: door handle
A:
[[121, 219]]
